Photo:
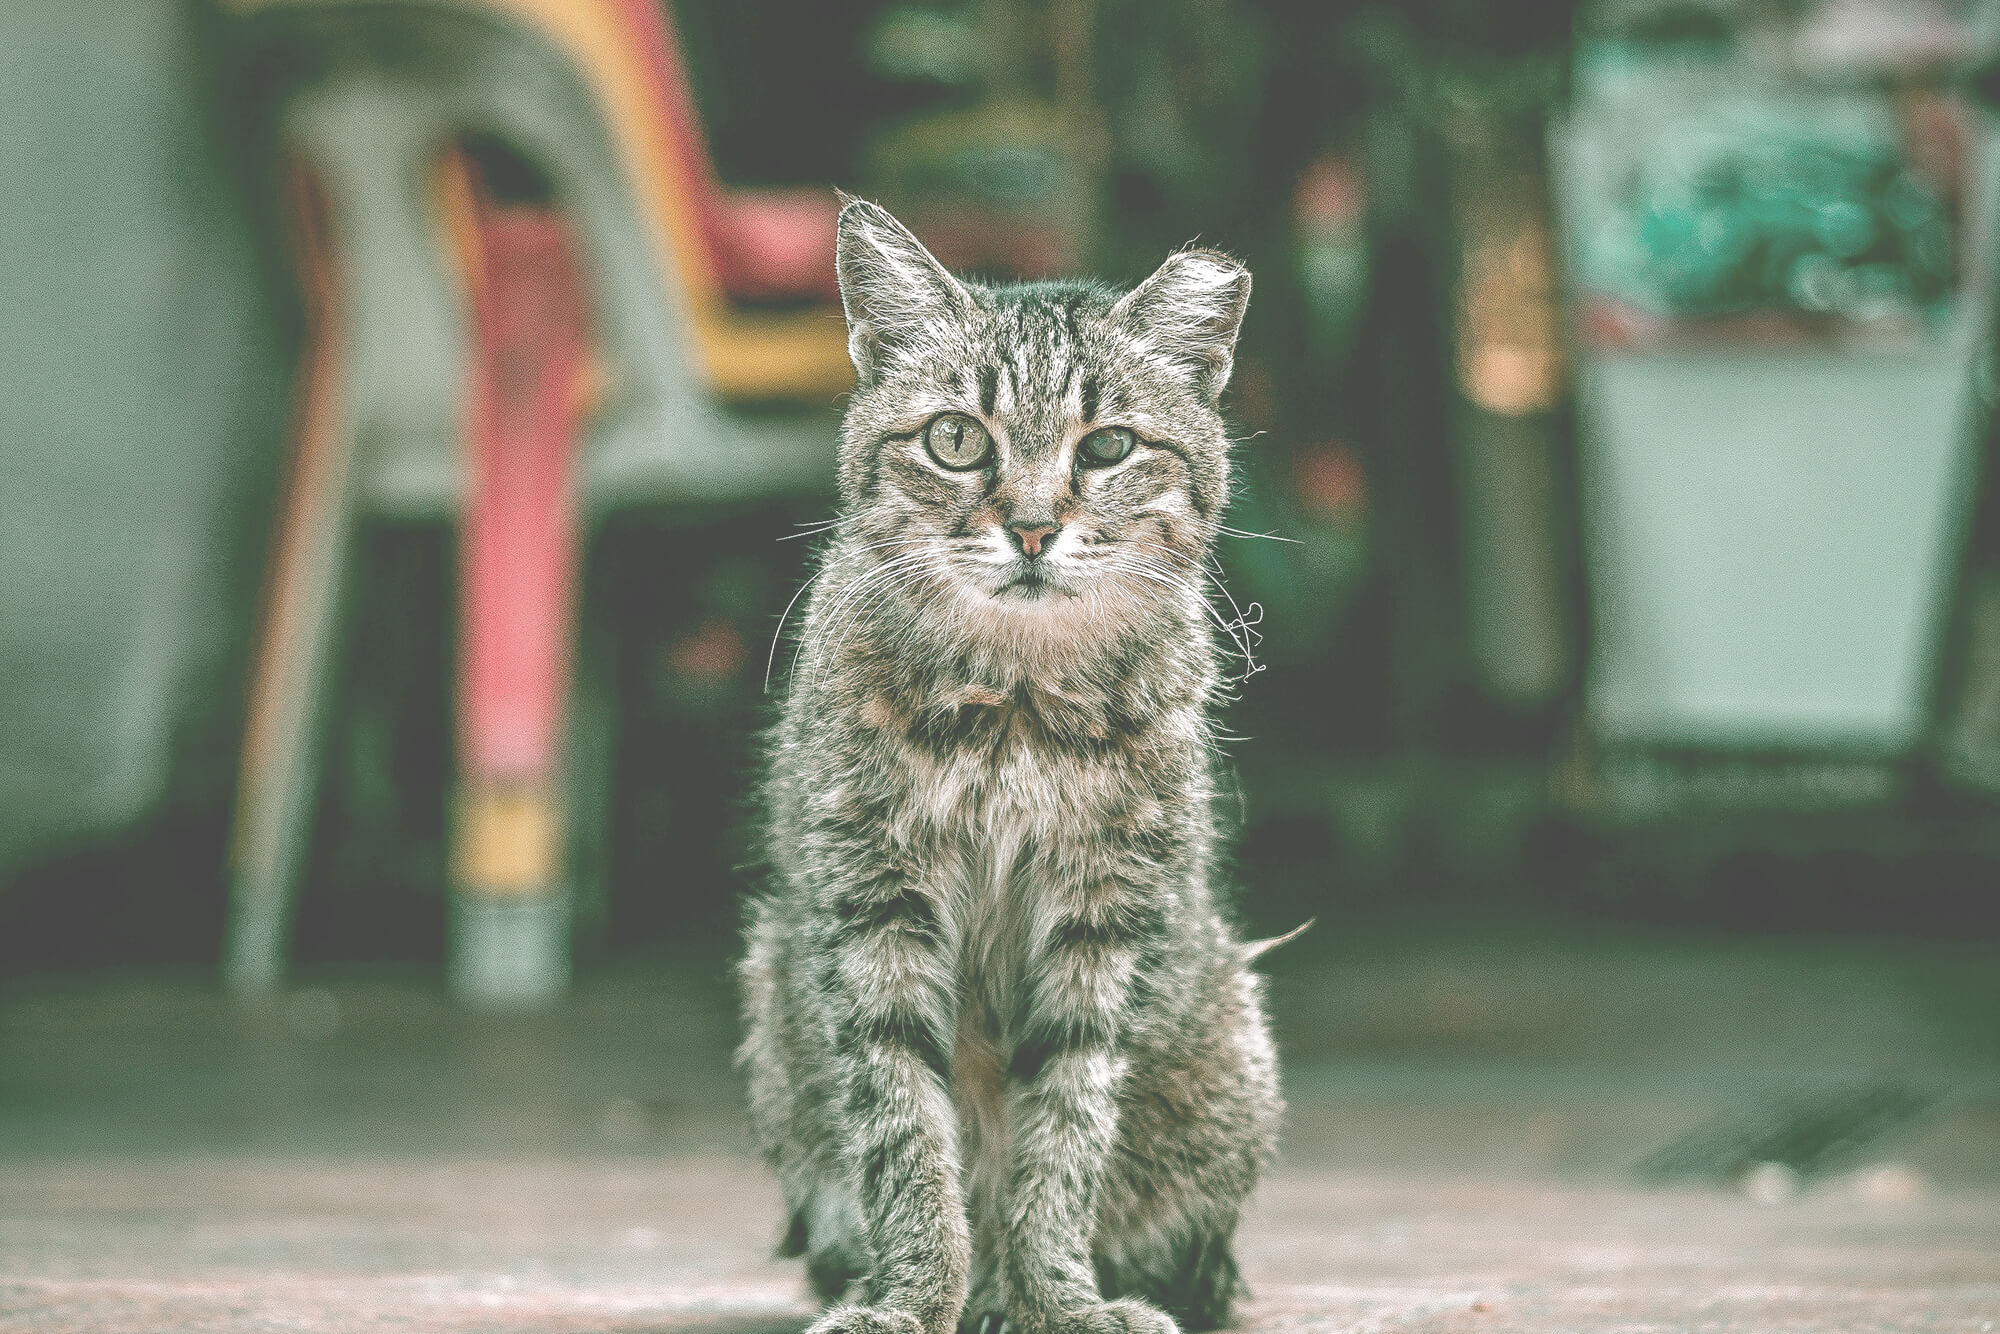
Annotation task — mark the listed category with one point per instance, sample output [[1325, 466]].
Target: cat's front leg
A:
[[886, 980], [1066, 1069]]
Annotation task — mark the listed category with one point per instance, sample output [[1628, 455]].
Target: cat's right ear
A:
[[1190, 311], [895, 293]]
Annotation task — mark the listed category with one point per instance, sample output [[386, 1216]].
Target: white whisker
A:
[[1268, 537], [813, 529], [1211, 570], [849, 595], [1239, 630], [778, 634], [884, 590]]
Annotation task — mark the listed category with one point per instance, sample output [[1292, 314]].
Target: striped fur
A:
[[1004, 1053]]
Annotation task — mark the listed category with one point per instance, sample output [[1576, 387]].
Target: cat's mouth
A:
[[1031, 581]]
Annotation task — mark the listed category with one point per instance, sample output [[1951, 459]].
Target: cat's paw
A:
[[850, 1319], [1128, 1315], [1120, 1317]]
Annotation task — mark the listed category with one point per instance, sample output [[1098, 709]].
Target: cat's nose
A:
[[1031, 536]]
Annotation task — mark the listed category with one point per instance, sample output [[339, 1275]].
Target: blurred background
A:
[[419, 413]]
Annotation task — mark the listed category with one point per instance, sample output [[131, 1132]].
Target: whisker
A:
[[821, 617], [816, 526], [778, 634], [1239, 532], [1239, 631], [1213, 573], [1243, 632], [810, 530], [882, 592], [849, 594]]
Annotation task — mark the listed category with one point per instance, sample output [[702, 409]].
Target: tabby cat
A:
[[1006, 1057]]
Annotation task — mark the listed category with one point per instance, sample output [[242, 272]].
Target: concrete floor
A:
[[1467, 1118]]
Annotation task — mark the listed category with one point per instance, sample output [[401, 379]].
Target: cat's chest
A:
[[986, 773], [1003, 802], [1025, 826], [992, 895], [1002, 829]]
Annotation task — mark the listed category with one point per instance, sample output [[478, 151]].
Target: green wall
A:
[[142, 390]]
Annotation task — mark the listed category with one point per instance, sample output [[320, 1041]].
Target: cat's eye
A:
[[957, 442], [1101, 449]]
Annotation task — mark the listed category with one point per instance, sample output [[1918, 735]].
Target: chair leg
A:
[[590, 761], [295, 650], [519, 557]]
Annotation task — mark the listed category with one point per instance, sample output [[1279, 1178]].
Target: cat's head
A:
[[1040, 443]]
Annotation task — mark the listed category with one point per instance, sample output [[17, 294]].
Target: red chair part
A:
[[765, 245], [520, 539]]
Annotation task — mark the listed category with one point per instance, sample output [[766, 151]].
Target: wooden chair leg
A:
[[295, 649]]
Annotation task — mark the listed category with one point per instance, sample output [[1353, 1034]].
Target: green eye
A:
[[1101, 449], [957, 442]]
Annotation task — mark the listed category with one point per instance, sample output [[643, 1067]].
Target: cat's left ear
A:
[[894, 291], [1190, 311]]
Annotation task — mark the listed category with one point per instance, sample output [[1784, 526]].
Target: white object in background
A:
[[1769, 537], [1769, 533]]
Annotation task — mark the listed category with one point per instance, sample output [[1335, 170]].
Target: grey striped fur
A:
[[1005, 1055]]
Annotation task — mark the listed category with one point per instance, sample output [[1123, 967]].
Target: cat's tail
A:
[[1254, 950]]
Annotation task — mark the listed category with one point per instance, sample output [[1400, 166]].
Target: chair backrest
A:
[[627, 54], [638, 171], [651, 27]]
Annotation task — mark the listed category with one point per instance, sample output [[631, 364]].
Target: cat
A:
[[1005, 1055]]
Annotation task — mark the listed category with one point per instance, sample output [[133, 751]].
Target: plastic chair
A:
[[590, 93]]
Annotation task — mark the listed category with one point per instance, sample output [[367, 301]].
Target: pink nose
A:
[[1031, 536]]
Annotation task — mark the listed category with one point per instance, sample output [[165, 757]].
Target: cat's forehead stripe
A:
[[1068, 309]]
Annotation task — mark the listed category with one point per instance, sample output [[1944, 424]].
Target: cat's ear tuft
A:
[[1190, 311], [892, 288]]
